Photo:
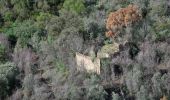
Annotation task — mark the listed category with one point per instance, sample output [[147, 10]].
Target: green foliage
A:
[[51, 6], [160, 84], [66, 44], [156, 79], [158, 7], [9, 15], [75, 93], [71, 19], [3, 87], [93, 28], [115, 96], [1, 21], [55, 26], [28, 85], [142, 94], [89, 3], [42, 19], [2, 53], [94, 91], [42, 5], [74, 5], [161, 27], [64, 21], [60, 67], [8, 72], [22, 8], [22, 30], [134, 78], [71, 39]]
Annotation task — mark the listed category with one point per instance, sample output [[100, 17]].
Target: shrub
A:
[[42, 19], [122, 17], [60, 67], [55, 26], [75, 93], [64, 21], [18, 95], [161, 27], [22, 30], [156, 80], [8, 73], [74, 5], [3, 87], [51, 6], [158, 7], [90, 2], [68, 42], [9, 15], [134, 79], [22, 8], [92, 29], [2, 53], [1, 21], [115, 96], [143, 94], [94, 25], [160, 84], [25, 59], [94, 91], [28, 86], [6, 10]]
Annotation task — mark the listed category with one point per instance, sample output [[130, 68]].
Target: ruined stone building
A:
[[86, 63], [109, 73]]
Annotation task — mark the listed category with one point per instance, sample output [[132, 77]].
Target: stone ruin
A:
[[87, 63]]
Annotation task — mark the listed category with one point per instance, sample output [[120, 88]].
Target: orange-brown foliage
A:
[[122, 17], [110, 34]]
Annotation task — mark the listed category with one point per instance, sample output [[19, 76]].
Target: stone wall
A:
[[87, 63]]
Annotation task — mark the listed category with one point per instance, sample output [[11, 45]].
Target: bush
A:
[[75, 93], [22, 8], [9, 16], [2, 53], [42, 19], [74, 5], [60, 67], [8, 73], [68, 42], [51, 6], [94, 91], [160, 84], [161, 27], [22, 30], [28, 86], [143, 94], [1, 21], [64, 21], [94, 25], [55, 26], [115, 96], [134, 79], [3, 87], [92, 28], [158, 7]]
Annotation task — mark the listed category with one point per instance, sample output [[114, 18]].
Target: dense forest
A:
[[41, 39]]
